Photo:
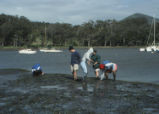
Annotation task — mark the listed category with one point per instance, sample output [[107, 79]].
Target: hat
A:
[[95, 50], [70, 48], [101, 66]]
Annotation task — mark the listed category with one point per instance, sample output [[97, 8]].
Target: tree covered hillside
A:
[[20, 31]]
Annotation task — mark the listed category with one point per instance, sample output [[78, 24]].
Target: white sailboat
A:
[[46, 50], [50, 50], [142, 49], [153, 46], [27, 51]]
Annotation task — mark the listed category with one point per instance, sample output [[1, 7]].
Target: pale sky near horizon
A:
[[78, 11]]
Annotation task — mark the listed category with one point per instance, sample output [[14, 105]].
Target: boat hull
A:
[[27, 51]]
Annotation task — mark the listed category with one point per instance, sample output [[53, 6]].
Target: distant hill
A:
[[139, 15]]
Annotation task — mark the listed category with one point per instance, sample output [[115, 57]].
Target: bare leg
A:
[[75, 75], [114, 75], [97, 74], [106, 75]]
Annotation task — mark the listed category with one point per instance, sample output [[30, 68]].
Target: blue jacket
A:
[[75, 58], [36, 67]]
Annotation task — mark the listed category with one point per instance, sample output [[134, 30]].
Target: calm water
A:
[[133, 65]]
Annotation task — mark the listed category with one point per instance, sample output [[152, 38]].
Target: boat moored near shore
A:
[[27, 51], [50, 50]]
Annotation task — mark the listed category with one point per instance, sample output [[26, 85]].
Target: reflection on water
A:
[[86, 87], [99, 88]]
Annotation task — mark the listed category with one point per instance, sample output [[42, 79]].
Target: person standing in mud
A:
[[75, 61], [95, 60]]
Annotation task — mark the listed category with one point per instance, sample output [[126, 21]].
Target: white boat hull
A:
[[148, 49], [142, 49], [154, 48], [50, 51], [27, 51]]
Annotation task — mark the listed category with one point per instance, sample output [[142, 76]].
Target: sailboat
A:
[[46, 50], [27, 51], [50, 50], [153, 47]]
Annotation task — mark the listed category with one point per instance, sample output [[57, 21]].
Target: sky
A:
[[78, 11]]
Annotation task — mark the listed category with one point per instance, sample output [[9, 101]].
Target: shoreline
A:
[[63, 47], [6, 71]]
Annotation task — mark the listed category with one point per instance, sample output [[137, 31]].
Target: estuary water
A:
[[132, 64]]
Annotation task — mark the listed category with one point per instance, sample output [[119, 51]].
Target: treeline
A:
[[19, 31]]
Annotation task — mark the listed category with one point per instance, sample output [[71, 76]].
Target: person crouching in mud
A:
[[107, 68], [85, 60], [37, 70], [95, 60], [75, 61]]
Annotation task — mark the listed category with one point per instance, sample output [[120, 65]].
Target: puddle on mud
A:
[[20, 90], [86, 87], [53, 87]]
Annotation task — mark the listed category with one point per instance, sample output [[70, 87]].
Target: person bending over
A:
[[107, 68], [37, 70], [85, 59], [95, 60]]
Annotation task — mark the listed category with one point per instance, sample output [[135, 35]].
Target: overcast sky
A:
[[77, 11]]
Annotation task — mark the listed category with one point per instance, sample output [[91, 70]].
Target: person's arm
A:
[[95, 63], [91, 60], [97, 60]]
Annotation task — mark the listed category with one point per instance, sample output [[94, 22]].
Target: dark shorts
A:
[[109, 71], [37, 73]]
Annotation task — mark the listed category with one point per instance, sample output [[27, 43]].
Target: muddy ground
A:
[[57, 93]]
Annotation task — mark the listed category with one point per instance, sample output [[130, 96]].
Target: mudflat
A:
[[59, 93]]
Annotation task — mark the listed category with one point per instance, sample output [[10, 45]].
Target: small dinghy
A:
[[27, 51], [50, 50], [142, 49]]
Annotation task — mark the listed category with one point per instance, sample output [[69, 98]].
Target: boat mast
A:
[[154, 31], [45, 39]]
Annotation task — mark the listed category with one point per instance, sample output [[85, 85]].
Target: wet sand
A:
[[57, 93]]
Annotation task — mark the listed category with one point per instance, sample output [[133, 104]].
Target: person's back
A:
[[75, 58], [111, 67], [37, 70], [86, 55], [107, 68]]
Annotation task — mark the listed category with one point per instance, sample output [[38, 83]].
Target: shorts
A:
[[113, 68], [97, 69], [37, 72], [74, 67]]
